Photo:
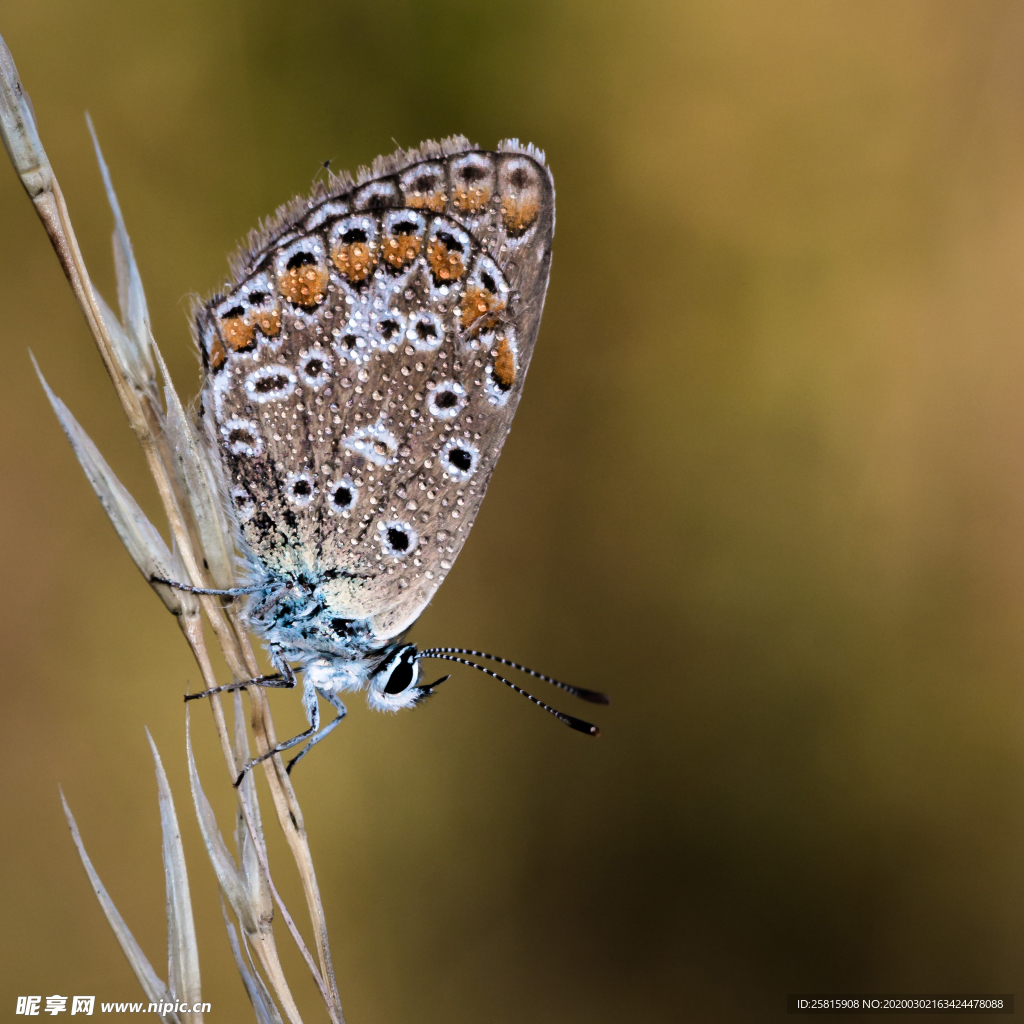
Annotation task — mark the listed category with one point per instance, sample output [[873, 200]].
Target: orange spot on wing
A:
[[447, 266], [217, 356], [239, 333], [354, 259], [518, 214], [469, 198], [435, 201], [479, 308], [400, 250], [304, 285], [424, 188], [504, 371], [269, 322]]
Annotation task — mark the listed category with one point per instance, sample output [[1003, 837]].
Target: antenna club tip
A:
[[580, 726], [593, 696]]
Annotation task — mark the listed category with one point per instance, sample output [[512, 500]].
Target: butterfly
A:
[[360, 374]]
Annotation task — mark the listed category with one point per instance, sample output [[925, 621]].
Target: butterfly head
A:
[[391, 678]]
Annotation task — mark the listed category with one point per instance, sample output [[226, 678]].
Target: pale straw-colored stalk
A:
[[190, 484]]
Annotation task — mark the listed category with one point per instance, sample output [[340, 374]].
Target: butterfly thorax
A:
[[305, 618]]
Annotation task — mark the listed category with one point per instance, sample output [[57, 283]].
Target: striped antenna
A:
[[574, 723], [577, 691]]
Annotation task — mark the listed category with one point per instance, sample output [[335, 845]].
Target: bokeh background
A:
[[766, 487]]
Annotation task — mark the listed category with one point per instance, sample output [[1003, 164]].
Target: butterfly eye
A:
[[401, 676], [394, 684]]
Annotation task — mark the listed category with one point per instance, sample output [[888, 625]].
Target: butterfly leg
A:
[[284, 679], [312, 714], [309, 701], [335, 702], [276, 681], [231, 592]]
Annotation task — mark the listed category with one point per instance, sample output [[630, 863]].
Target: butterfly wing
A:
[[364, 366]]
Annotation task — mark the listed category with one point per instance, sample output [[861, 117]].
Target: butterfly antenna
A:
[[574, 723], [577, 691]]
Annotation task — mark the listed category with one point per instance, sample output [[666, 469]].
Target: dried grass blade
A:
[[192, 458], [254, 919], [228, 875], [138, 357], [156, 991], [18, 127], [262, 1002], [22, 142], [139, 536], [112, 322], [182, 948], [333, 1010], [289, 816], [255, 880]]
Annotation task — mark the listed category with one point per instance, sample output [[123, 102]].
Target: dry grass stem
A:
[[190, 484]]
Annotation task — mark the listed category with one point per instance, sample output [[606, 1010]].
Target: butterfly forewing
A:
[[363, 368]]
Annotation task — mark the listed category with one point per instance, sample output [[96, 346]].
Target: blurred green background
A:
[[765, 487]]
